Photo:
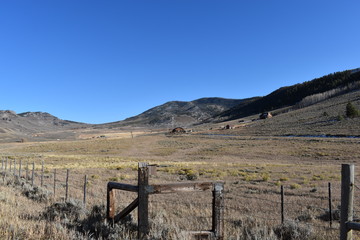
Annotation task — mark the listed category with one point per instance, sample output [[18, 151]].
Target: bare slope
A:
[[180, 113], [29, 124]]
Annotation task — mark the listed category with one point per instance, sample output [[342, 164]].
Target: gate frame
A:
[[142, 201]]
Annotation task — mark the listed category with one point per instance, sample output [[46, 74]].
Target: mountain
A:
[[31, 124], [338, 83], [181, 113]]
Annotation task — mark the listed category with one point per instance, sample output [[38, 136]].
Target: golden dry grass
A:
[[253, 168]]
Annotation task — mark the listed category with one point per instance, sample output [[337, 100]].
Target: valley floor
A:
[[253, 168]]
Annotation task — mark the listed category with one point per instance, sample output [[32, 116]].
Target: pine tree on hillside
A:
[[351, 111]]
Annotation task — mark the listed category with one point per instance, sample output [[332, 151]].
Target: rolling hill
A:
[[27, 125], [292, 95], [180, 113], [314, 105]]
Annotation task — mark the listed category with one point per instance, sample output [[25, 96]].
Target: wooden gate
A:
[[142, 202]]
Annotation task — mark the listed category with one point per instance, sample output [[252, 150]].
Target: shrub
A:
[[36, 193], [340, 118], [69, 211], [284, 179], [351, 111], [335, 214], [265, 177], [295, 186], [291, 230]]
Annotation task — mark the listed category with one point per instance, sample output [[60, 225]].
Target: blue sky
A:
[[103, 61]]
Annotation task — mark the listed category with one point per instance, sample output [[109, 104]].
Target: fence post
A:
[[10, 166], [110, 197], [27, 171], [85, 183], [2, 163], [54, 182], [42, 174], [218, 211], [282, 205], [143, 207], [20, 165], [67, 185], [347, 200], [32, 174], [6, 163], [14, 167], [330, 207]]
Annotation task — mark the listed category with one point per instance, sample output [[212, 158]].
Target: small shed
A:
[[265, 115], [178, 130]]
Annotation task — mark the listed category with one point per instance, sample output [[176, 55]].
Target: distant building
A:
[[265, 115], [178, 130]]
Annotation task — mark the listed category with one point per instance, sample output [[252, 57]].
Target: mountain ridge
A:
[[180, 113]]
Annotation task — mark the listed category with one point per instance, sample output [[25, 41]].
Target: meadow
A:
[[252, 167]]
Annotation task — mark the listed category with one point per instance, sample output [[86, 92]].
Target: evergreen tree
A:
[[351, 111]]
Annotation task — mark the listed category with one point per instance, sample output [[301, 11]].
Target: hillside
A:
[[291, 95], [325, 118], [26, 125], [181, 113]]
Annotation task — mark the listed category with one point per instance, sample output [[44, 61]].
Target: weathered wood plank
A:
[[179, 187], [123, 186], [127, 210], [353, 225]]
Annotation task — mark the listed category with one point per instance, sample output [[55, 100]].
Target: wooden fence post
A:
[[67, 185], [14, 167], [10, 166], [218, 211], [42, 174], [85, 183], [282, 205], [2, 163], [54, 182], [20, 165], [330, 207], [27, 171], [143, 208], [110, 197], [5, 164], [32, 174], [347, 200]]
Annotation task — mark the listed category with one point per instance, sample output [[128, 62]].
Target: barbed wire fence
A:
[[66, 183]]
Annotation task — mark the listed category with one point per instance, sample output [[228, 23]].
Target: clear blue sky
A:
[[102, 61]]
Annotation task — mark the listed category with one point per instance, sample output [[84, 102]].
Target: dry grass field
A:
[[254, 159], [253, 168]]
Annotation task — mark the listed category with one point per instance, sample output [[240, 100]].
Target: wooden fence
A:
[[142, 202]]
